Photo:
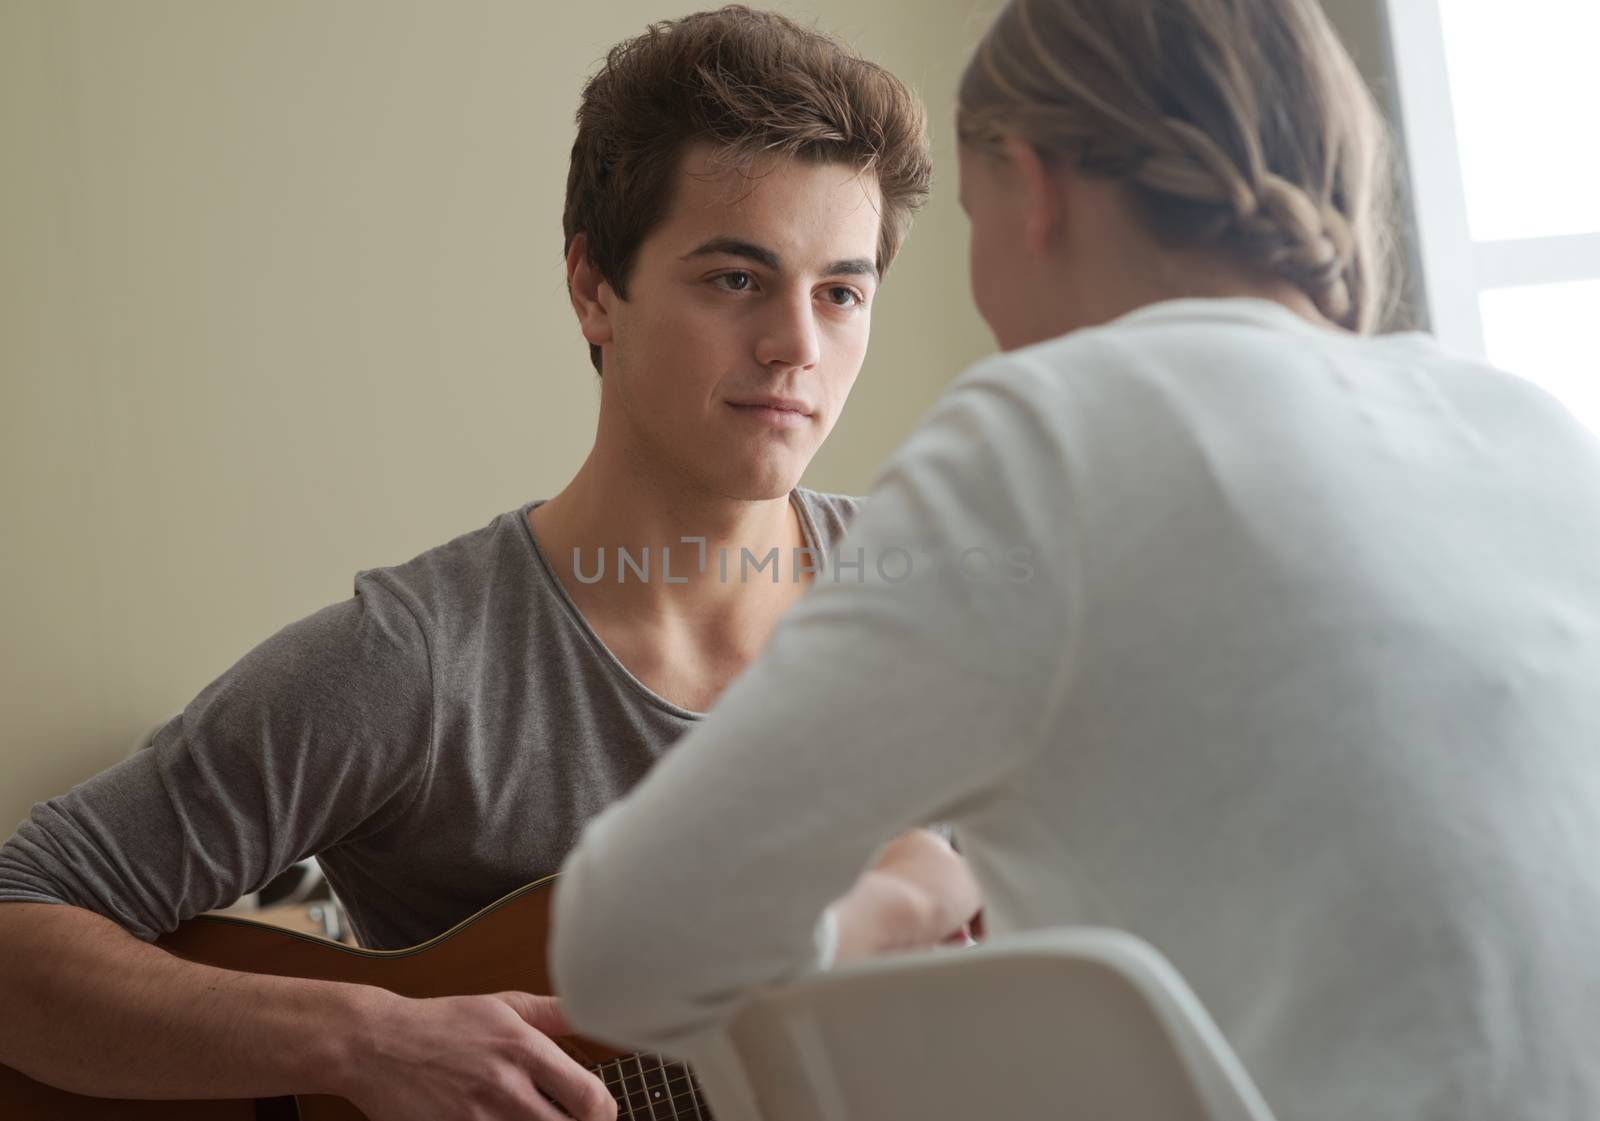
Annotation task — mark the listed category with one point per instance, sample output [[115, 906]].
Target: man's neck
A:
[[605, 512]]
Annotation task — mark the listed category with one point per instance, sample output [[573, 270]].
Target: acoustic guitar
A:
[[500, 948]]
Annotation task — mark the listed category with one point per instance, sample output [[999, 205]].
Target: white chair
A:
[[1062, 1024]]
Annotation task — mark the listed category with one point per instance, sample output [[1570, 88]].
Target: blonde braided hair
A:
[[1237, 123]]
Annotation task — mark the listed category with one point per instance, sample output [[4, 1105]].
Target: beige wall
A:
[[281, 298]]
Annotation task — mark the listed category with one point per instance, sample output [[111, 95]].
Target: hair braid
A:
[[1240, 123]]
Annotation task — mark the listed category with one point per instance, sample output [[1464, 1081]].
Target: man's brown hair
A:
[[753, 84]]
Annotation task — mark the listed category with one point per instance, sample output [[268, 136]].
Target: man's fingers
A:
[[557, 1074], [580, 1092], [541, 1109], [542, 1013]]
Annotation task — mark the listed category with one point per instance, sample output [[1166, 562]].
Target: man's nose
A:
[[789, 334]]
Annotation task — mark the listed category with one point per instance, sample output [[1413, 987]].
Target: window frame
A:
[[1454, 268]]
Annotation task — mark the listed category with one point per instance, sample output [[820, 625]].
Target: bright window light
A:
[[1525, 85], [1550, 334]]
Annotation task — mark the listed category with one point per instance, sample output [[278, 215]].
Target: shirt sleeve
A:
[[316, 736], [907, 686]]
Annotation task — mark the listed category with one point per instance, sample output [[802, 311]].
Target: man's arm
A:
[[318, 734], [92, 1009]]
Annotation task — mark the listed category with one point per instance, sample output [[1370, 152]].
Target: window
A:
[[1498, 104]]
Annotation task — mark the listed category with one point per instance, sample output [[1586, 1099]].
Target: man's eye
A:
[[844, 296], [735, 281]]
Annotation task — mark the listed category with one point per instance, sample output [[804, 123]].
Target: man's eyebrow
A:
[[734, 247], [853, 266]]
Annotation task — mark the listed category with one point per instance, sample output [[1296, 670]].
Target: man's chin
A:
[[759, 482]]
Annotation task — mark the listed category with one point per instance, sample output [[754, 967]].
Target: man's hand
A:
[[918, 893], [470, 1058]]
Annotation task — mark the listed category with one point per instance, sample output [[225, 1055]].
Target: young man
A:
[[737, 188]]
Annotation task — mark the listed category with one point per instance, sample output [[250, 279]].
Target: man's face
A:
[[746, 323]]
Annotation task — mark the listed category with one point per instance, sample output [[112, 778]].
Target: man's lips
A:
[[776, 412], [781, 404]]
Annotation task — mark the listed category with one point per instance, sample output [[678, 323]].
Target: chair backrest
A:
[[1062, 1024]]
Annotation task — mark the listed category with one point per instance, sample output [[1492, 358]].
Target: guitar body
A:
[[500, 948]]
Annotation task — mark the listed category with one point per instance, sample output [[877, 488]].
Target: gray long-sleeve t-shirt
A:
[[437, 740]]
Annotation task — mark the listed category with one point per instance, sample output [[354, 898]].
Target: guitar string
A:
[[701, 1112], [669, 1069], [626, 1097], [669, 1072], [684, 1094], [687, 1093], [648, 1102], [600, 1070], [672, 1101], [694, 1095], [687, 1099]]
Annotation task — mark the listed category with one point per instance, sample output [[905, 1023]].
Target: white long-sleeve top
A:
[[1288, 661]]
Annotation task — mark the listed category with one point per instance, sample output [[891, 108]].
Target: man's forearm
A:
[[92, 1009]]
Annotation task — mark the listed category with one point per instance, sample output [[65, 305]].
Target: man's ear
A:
[[591, 295], [1043, 208]]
